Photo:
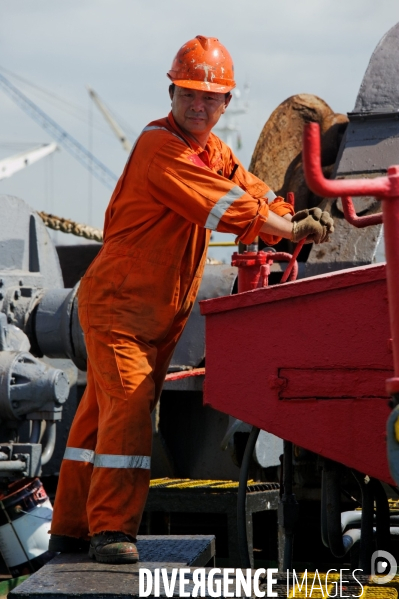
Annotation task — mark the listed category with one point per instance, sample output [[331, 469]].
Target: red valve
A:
[[249, 266], [254, 267]]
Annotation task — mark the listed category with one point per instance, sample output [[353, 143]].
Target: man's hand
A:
[[312, 224]]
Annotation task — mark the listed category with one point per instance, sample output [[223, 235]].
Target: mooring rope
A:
[[70, 226]]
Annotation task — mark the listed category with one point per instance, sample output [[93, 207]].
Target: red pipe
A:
[[354, 219], [386, 188], [380, 186], [292, 267]]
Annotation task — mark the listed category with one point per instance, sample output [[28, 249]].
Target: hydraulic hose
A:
[[382, 516], [50, 443], [366, 540], [323, 523], [333, 523], [350, 538], [324, 529], [245, 560], [288, 509], [331, 511], [35, 431]]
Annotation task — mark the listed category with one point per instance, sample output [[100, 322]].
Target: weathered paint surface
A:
[[307, 361]]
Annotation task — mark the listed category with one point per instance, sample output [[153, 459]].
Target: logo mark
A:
[[383, 567]]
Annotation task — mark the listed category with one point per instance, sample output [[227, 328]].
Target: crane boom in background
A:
[[13, 164], [99, 170], [110, 119]]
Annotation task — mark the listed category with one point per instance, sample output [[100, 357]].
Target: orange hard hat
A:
[[203, 63]]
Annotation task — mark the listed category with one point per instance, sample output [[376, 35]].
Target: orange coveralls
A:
[[134, 301]]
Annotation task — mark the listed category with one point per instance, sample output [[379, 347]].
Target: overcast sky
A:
[[123, 48]]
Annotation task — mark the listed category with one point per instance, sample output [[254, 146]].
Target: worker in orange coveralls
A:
[[180, 183]]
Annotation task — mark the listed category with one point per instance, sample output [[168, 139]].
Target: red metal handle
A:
[[354, 219], [330, 188], [292, 264]]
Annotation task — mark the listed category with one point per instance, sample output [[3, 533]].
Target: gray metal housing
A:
[[31, 389]]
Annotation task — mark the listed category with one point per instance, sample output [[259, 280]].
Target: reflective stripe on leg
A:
[[79, 455], [104, 460]]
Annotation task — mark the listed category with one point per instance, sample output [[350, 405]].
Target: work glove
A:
[[312, 224]]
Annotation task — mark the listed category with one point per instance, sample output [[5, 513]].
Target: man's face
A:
[[197, 112]]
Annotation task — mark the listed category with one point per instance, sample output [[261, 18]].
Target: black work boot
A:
[[64, 544], [113, 548]]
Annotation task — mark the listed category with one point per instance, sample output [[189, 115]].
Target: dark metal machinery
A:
[[37, 317]]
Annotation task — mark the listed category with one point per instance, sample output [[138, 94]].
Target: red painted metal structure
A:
[[358, 221], [254, 267], [308, 360], [384, 188]]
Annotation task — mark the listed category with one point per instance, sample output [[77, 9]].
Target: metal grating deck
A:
[[76, 575]]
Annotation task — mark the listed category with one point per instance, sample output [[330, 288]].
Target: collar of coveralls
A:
[[204, 153]]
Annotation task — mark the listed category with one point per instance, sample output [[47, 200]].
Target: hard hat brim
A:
[[204, 86]]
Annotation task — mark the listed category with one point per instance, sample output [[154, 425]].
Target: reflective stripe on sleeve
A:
[[104, 460], [79, 455], [221, 206], [154, 128], [270, 196]]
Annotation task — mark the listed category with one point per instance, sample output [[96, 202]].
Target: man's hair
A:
[[172, 88]]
